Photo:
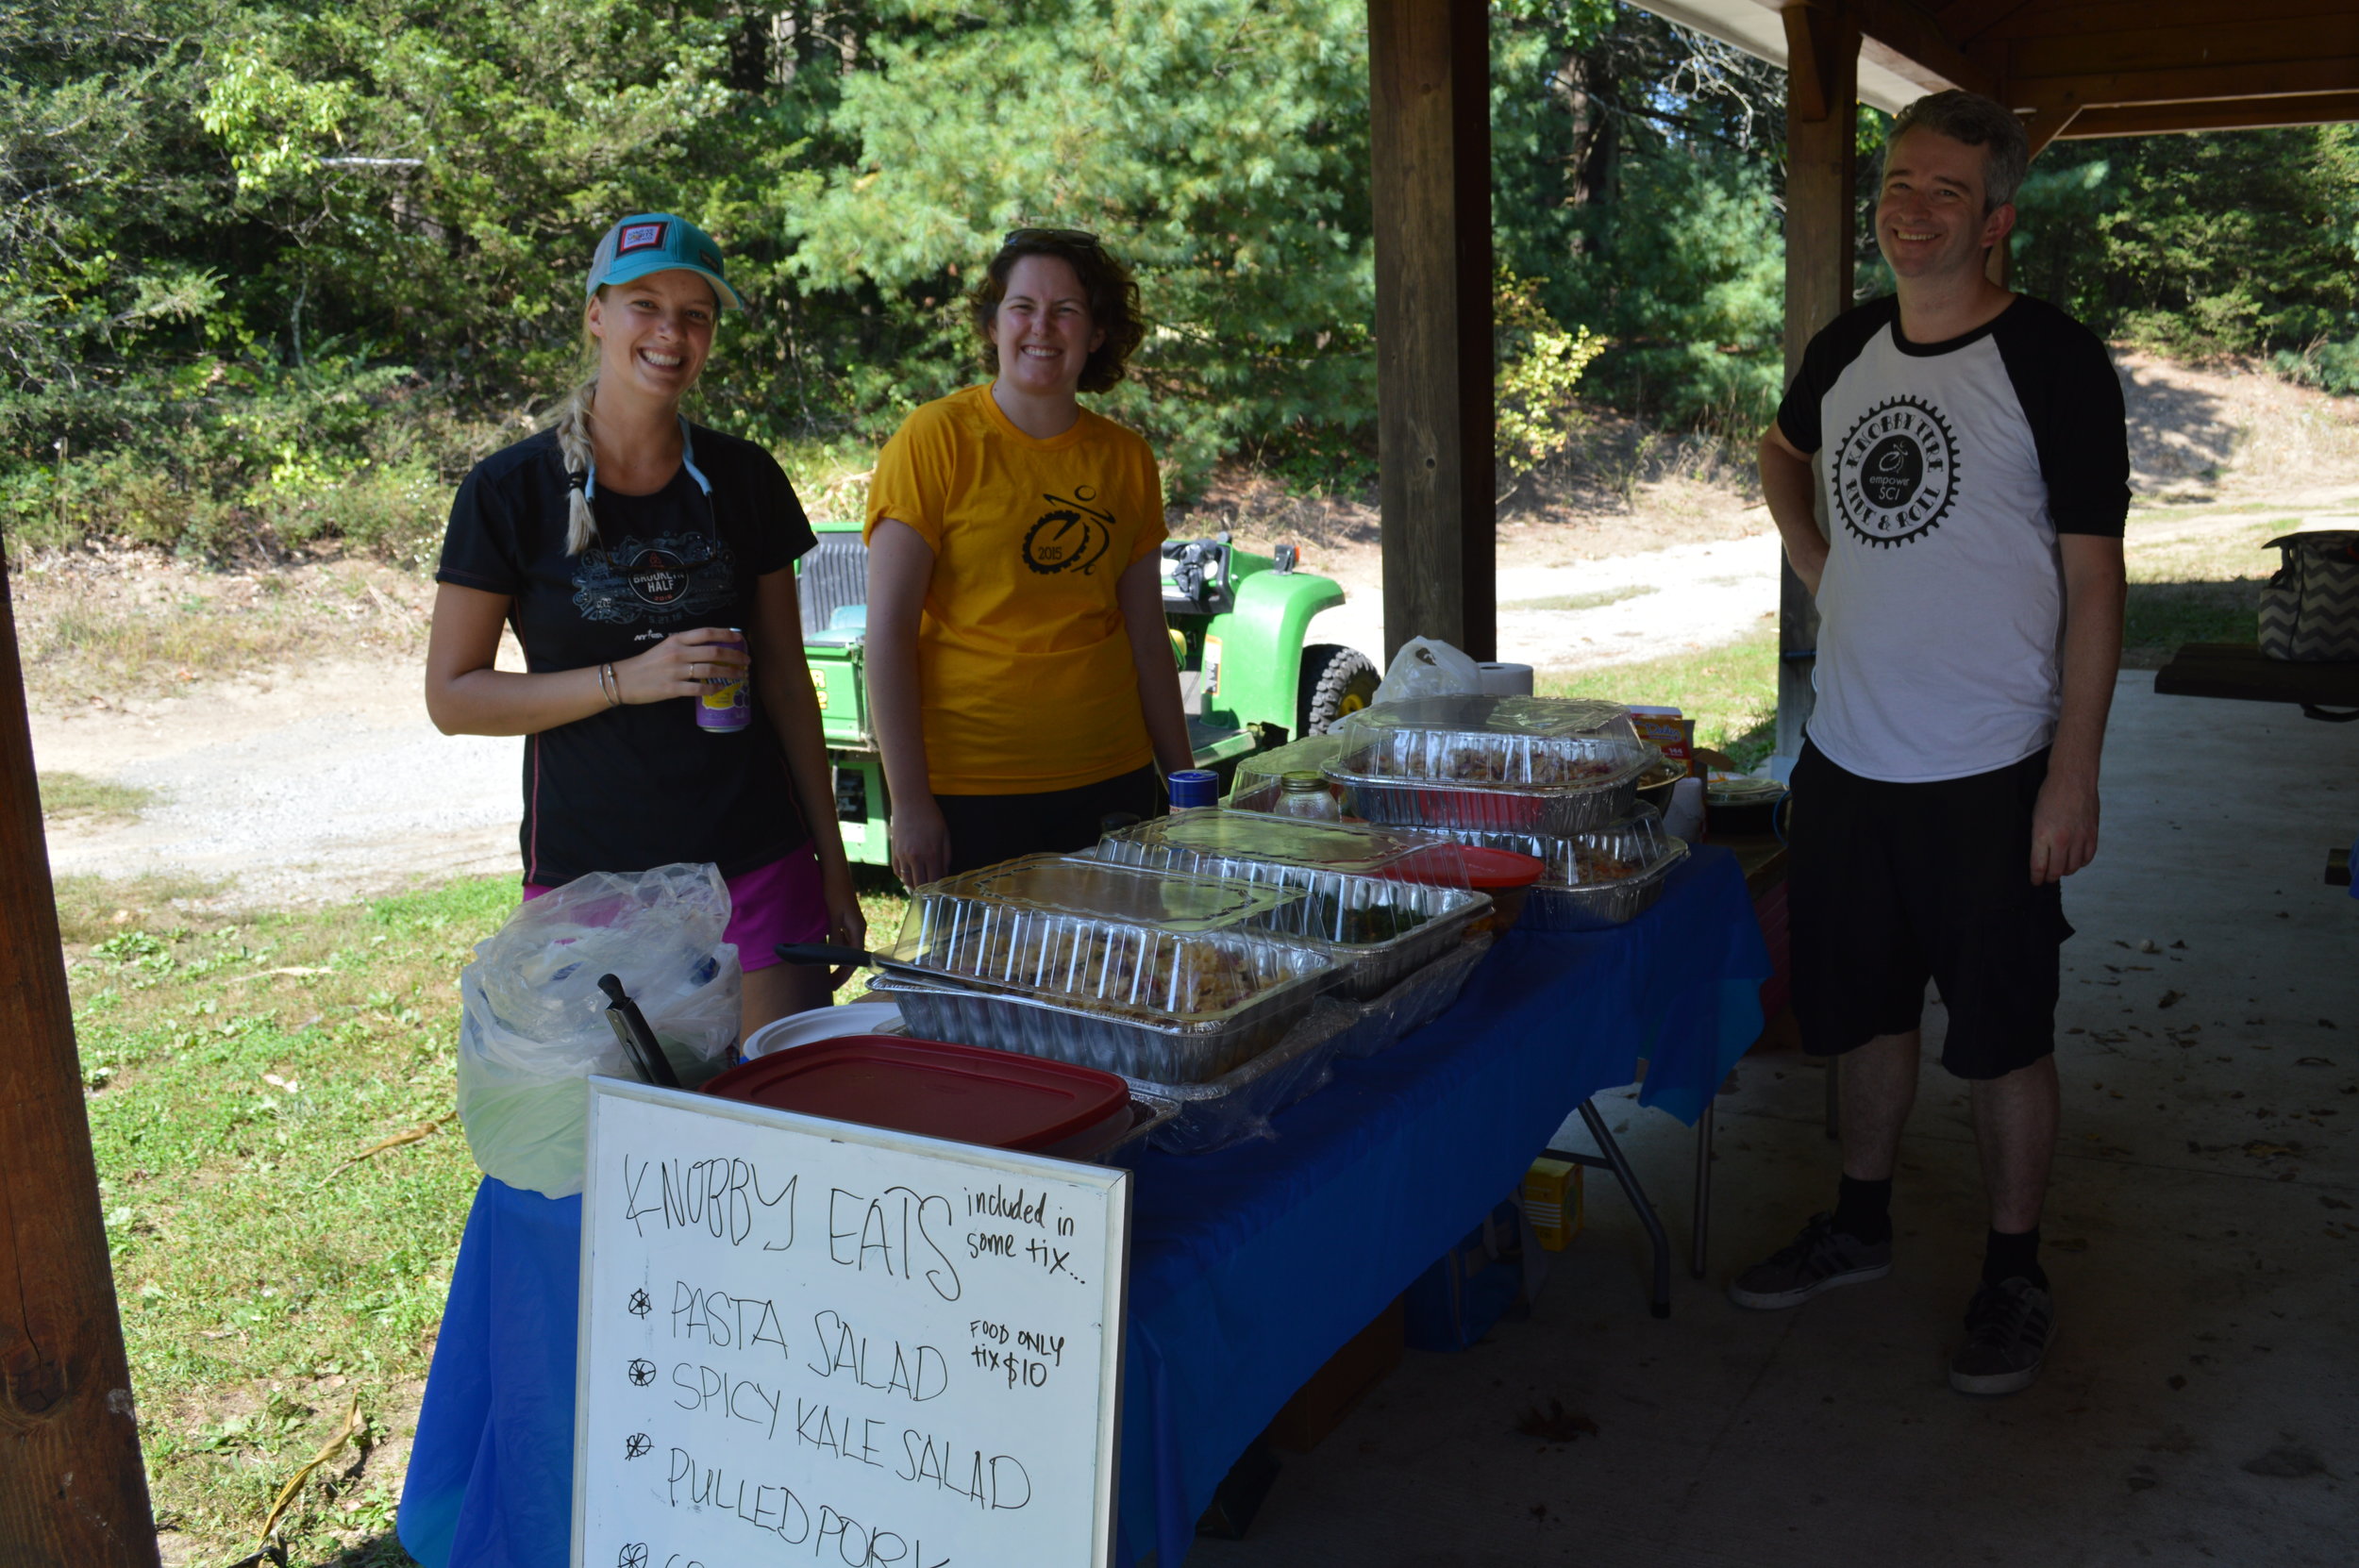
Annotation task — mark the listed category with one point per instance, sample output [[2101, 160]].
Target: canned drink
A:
[[1192, 789], [727, 704]]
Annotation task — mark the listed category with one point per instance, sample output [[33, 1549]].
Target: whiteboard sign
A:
[[804, 1341]]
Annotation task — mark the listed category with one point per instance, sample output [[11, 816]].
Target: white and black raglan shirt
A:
[[1948, 470]]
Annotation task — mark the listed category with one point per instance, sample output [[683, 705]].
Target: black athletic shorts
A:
[[1892, 884], [987, 829]]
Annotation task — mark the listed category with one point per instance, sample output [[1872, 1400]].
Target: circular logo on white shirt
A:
[[1897, 472]]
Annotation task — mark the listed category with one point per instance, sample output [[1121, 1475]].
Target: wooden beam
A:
[[1429, 152], [2048, 121], [73, 1488], [1967, 20], [2316, 109], [1903, 31], [1821, 172], [2214, 43], [2026, 20], [2273, 79]]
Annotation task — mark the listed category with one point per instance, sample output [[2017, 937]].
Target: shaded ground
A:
[[2197, 1408]]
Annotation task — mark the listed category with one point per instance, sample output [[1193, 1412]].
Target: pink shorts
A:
[[768, 904]]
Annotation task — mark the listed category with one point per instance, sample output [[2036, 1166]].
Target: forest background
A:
[[273, 278]]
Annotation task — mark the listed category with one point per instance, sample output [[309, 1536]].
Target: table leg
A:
[[1609, 1158], [1703, 1236]]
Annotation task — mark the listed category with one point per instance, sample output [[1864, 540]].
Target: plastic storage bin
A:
[[939, 1090]]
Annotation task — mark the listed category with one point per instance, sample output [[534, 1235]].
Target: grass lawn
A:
[[275, 1272], [1731, 692]]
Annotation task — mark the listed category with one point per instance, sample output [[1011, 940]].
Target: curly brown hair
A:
[[1106, 284]]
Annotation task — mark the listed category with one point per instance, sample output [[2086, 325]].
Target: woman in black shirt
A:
[[622, 545]]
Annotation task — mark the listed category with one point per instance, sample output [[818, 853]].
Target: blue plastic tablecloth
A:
[[1248, 1268]]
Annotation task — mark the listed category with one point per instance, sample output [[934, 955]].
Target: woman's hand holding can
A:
[[681, 664]]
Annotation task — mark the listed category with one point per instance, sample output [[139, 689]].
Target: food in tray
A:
[[1360, 925], [1112, 968], [1538, 765], [1594, 865]]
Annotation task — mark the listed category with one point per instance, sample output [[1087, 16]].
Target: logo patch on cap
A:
[[710, 260], [640, 236]]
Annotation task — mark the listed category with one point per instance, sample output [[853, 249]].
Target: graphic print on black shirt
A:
[[637, 786], [672, 580], [1898, 468]]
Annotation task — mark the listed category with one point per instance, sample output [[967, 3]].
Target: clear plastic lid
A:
[[1490, 712], [1108, 937], [1483, 741], [1099, 888], [1617, 852], [1261, 779], [1203, 842]]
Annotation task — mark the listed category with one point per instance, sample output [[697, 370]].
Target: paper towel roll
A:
[[1506, 680]]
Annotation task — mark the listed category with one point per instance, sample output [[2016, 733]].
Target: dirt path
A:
[[309, 787]]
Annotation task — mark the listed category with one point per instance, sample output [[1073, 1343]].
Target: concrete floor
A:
[[2203, 1235]]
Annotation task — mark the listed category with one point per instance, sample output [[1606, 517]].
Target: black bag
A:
[[2310, 609]]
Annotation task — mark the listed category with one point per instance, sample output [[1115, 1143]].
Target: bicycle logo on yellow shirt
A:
[[1074, 537]]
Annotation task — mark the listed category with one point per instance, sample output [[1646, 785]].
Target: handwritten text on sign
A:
[[807, 1342]]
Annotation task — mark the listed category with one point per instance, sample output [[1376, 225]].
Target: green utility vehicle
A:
[[1237, 624]]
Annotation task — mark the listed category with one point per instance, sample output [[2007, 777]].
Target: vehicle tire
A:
[[1336, 681]]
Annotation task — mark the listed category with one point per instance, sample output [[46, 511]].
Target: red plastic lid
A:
[[924, 1086], [1478, 866]]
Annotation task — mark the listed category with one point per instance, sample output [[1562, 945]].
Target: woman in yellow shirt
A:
[[1020, 673]]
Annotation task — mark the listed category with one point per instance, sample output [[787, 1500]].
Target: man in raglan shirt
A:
[[1971, 447]]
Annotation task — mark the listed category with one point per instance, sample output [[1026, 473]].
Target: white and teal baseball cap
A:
[[657, 242]]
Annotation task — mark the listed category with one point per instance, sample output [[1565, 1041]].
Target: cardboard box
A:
[[1664, 727], [1320, 1405]]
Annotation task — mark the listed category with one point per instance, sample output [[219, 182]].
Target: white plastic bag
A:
[[532, 1022], [1427, 667]]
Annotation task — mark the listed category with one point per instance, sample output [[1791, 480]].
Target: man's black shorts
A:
[[1892, 884]]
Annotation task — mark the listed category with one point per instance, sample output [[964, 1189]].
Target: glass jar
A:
[[1306, 795]]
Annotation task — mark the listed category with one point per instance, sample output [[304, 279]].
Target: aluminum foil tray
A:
[[1137, 1046], [1379, 931], [1134, 944], [1239, 1104], [1597, 879]]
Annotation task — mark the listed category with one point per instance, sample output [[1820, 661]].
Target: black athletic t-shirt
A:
[[637, 786]]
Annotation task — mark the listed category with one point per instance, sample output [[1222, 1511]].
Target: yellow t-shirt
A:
[[1024, 677]]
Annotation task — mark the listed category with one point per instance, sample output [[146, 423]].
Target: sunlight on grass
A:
[[1731, 692], [71, 797], [234, 1063]]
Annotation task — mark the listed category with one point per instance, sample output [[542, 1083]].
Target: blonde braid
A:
[[573, 439]]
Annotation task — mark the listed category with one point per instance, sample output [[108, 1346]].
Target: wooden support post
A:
[[72, 1487], [1430, 145], [1821, 167]]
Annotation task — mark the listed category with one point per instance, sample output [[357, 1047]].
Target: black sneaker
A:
[[1819, 1259], [2008, 1328]]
